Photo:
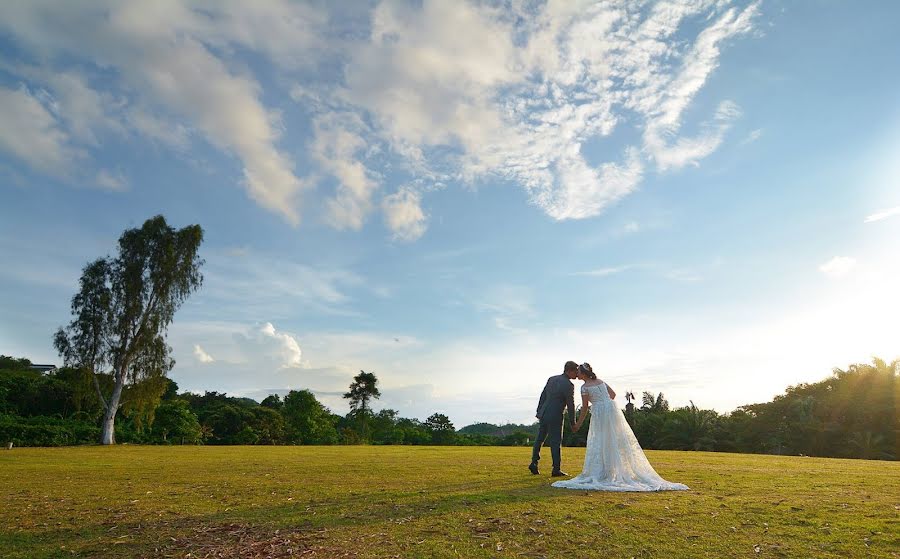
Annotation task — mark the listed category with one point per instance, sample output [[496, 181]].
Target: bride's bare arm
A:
[[611, 392], [584, 411]]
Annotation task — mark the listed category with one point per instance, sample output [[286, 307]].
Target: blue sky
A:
[[699, 198]]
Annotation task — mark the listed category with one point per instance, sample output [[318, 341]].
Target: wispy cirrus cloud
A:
[[883, 214], [603, 272]]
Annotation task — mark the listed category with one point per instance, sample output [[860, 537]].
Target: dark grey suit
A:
[[558, 394]]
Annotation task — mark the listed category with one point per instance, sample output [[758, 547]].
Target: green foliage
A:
[[441, 429], [854, 413], [272, 401], [363, 389], [175, 423], [14, 364], [851, 414], [45, 431], [121, 314], [307, 420], [62, 394]]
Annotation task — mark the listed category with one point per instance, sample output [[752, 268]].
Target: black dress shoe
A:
[[558, 473], [533, 468]]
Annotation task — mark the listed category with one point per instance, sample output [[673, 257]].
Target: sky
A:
[[700, 198]]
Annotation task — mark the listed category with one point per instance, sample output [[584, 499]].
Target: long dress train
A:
[[614, 461]]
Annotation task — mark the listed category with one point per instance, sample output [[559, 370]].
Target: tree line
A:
[[852, 414], [62, 407]]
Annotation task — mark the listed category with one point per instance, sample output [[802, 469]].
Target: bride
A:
[[613, 461]]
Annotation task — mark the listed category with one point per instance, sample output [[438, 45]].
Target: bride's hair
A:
[[586, 370]]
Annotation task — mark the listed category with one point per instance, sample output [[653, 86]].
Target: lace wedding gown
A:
[[614, 461]]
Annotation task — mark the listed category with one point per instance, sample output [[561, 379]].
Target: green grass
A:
[[432, 502]]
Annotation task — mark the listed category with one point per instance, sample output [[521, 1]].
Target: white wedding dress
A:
[[614, 461]]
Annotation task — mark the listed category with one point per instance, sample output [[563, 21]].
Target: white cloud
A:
[[168, 132], [511, 307], [688, 151], [160, 53], [518, 95], [425, 93], [752, 136], [337, 146], [883, 214], [272, 286], [404, 215], [603, 272], [111, 181], [28, 131], [838, 267], [201, 355], [288, 348]]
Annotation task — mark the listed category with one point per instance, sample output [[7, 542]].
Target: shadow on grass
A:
[[298, 525]]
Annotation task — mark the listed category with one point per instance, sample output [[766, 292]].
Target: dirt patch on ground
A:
[[227, 541]]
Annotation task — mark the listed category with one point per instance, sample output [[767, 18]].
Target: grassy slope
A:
[[432, 502]]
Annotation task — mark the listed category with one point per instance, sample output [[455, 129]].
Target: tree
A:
[[269, 425], [10, 363], [690, 428], [384, 427], [176, 423], [308, 421], [363, 389], [122, 311], [272, 401], [651, 404], [441, 429]]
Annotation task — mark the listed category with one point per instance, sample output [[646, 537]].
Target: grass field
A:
[[432, 502]]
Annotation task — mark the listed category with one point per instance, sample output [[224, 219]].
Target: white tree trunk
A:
[[108, 435], [109, 427]]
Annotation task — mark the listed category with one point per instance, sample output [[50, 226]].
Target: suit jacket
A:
[[558, 394]]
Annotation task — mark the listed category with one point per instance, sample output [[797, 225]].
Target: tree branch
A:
[[99, 393]]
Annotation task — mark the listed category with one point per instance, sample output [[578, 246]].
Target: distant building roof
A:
[[42, 368]]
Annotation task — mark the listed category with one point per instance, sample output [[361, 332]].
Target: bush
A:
[[46, 431]]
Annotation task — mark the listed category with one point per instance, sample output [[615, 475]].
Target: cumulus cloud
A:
[[267, 348], [201, 355], [838, 267]]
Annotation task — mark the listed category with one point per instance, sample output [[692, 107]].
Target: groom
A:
[[558, 394]]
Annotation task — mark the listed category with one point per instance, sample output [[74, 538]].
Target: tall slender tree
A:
[[363, 389], [122, 311]]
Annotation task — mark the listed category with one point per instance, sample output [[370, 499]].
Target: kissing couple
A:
[[613, 460]]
